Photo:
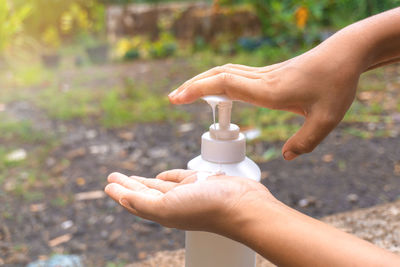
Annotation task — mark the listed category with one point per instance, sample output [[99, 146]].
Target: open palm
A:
[[178, 199]]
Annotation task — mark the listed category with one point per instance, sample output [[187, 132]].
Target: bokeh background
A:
[[83, 87]]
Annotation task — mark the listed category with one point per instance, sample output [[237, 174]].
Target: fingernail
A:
[[177, 98], [125, 203], [173, 93], [289, 155]]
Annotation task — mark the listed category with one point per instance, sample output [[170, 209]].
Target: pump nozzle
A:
[[224, 114]]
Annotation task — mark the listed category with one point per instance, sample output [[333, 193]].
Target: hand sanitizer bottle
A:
[[223, 150]]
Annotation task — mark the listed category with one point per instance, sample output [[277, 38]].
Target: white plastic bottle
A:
[[223, 148]]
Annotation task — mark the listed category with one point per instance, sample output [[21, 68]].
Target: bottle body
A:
[[212, 250]]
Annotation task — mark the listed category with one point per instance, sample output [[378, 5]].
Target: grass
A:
[[20, 190], [23, 175], [275, 125], [373, 80], [204, 60], [116, 264], [60, 201], [269, 154], [363, 113], [358, 132], [135, 103], [126, 104], [123, 105], [21, 131], [5, 163], [24, 75], [67, 105]]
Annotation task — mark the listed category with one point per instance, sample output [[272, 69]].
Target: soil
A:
[[343, 173]]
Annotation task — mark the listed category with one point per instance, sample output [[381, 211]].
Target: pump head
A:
[[223, 130], [223, 143]]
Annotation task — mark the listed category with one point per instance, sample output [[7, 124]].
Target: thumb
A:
[[315, 128]]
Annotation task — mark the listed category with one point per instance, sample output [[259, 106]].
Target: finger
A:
[[316, 127], [253, 69], [264, 69], [113, 191], [176, 176], [234, 86], [131, 184], [270, 68], [115, 175], [139, 203], [158, 184], [213, 72], [242, 67]]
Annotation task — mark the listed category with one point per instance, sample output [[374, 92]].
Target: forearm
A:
[[367, 44], [289, 238], [383, 35]]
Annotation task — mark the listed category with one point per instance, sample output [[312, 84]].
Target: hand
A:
[[319, 85], [243, 210], [176, 199]]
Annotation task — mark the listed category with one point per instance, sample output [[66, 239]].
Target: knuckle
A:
[[225, 78], [229, 65], [194, 88], [272, 80], [304, 146], [219, 69], [329, 120]]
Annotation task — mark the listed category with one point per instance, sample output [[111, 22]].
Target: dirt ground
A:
[[344, 173]]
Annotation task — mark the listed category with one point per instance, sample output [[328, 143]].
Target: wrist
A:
[[365, 44], [347, 51], [260, 215], [375, 40]]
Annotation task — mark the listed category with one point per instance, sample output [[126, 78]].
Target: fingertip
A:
[[172, 100], [173, 93], [110, 188], [115, 176], [187, 96], [289, 155], [163, 174]]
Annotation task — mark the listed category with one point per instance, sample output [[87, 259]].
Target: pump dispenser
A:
[[223, 150]]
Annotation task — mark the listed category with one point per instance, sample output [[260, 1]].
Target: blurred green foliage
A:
[[11, 21], [324, 12], [142, 47], [52, 21], [307, 22], [293, 24]]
